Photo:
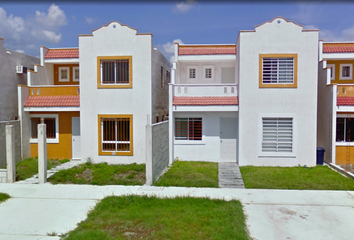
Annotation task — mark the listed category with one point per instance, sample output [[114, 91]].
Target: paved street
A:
[[34, 211]]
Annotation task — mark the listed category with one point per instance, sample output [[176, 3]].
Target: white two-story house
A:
[[254, 102], [96, 99]]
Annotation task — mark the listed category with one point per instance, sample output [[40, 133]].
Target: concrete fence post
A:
[[42, 153], [148, 139], [10, 154]]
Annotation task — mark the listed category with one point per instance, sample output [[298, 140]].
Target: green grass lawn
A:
[[4, 197], [102, 174], [303, 178], [142, 217], [190, 174], [29, 167]]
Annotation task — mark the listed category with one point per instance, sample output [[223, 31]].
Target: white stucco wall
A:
[[299, 103], [159, 97], [183, 72], [110, 41], [9, 80], [209, 148]]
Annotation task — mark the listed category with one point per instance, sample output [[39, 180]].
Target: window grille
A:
[[115, 134], [208, 73], [345, 71], [192, 73], [162, 82], [188, 128], [278, 70], [50, 127], [115, 71], [345, 130], [277, 135]]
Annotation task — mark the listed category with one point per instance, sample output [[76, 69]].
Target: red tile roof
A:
[[338, 48], [207, 50], [53, 101], [345, 101], [62, 53], [205, 101]]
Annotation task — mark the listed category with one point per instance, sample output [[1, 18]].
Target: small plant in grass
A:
[[142, 217], [29, 167], [89, 161], [4, 197], [102, 174], [190, 174], [302, 178]]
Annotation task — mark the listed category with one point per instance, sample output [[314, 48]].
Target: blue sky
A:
[[25, 27]]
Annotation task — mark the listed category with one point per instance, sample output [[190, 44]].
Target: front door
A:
[[75, 131], [228, 135]]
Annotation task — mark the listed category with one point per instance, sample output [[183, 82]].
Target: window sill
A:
[[188, 142], [344, 144], [48, 140]]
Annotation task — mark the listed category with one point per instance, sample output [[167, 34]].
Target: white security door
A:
[[75, 131], [228, 135]]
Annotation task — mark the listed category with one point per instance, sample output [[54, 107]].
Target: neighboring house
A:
[[336, 101], [254, 102], [97, 99], [13, 71]]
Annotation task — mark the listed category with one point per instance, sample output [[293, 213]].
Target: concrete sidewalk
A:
[[34, 211]]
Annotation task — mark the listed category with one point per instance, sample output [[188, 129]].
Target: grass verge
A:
[[102, 174], [29, 167], [4, 197], [302, 178], [142, 217], [190, 174]]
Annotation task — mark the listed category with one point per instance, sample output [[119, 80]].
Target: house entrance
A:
[[228, 136]]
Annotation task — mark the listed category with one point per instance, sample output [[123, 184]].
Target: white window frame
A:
[[188, 72], [212, 73], [260, 136], [350, 71], [332, 70], [189, 142], [68, 74], [76, 79], [49, 140]]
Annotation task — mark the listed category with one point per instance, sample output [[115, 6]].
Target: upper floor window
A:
[[192, 73], [278, 70], [114, 72], [346, 72], [208, 73], [332, 71], [168, 77], [76, 74], [64, 74]]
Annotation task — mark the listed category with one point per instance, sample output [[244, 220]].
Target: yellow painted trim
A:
[[56, 74], [100, 152], [292, 85], [99, 85]]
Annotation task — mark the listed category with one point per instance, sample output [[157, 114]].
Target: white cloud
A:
[[168, 49], [54, 18], [27, 34], [89, 20], [20, 51], [184, 6]]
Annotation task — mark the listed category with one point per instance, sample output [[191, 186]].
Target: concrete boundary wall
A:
[[3, 175], [157, 150], [16, 124]]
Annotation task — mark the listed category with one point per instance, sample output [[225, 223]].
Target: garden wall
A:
[[16, 124]]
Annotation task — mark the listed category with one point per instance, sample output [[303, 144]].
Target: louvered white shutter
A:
[[277, 135]]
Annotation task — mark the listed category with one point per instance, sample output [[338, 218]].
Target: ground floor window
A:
[[51, 122], [188, 129], [277, 135], [115, 134], [345, 128]]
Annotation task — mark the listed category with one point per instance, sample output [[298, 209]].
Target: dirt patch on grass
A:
[[86, 174], [129, 232]]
